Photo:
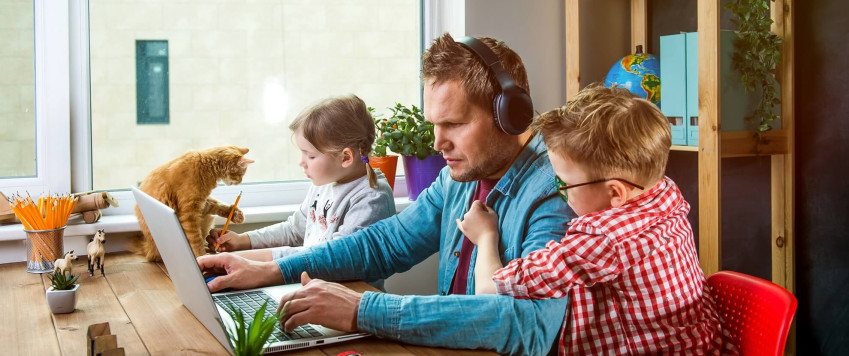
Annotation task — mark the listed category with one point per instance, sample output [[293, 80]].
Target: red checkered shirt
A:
[[633, 280]]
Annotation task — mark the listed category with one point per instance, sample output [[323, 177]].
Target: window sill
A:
[[129, 223]]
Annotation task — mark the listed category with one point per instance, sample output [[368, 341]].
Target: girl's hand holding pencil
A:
[[228, 242]]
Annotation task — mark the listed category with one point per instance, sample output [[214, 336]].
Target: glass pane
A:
[[237, 72], [17, 90]]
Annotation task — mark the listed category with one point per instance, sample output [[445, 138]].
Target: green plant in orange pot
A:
[[406, 132], [381, 158]]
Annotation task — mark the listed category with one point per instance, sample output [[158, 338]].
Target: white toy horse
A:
[[65, 263], [96, 252]]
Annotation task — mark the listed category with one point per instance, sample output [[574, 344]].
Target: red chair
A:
[[755, 313]]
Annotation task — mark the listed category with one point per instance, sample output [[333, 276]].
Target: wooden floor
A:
[[143, 310]]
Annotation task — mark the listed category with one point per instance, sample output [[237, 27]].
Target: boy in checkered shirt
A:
[[628, 263]]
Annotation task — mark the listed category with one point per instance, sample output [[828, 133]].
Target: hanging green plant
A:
[[756, 56]]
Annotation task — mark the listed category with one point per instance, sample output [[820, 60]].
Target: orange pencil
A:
[[229, 217]]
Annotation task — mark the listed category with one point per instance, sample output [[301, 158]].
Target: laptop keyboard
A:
[[250, 302]]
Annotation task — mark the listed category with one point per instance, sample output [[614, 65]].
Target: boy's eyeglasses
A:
[[562, 186]]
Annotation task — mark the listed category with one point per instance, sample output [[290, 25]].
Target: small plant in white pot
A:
[[62, 293]]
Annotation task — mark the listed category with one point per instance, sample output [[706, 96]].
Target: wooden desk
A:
[[143, 310]]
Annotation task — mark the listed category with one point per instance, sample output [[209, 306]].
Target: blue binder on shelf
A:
[[679, 75], [692, 121], [673, 90]]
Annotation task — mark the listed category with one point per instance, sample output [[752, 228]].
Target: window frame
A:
[[50, 36]]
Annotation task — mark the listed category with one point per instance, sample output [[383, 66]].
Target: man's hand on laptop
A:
[[237, 272], [320, 302]]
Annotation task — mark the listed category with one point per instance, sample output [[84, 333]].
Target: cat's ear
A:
[[244, 162], [347, 155], [244, 150]]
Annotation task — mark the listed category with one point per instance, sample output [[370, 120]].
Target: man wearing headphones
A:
[[476, 95]]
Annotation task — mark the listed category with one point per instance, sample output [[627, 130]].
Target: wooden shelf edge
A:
[[744, 143], [684, 148]]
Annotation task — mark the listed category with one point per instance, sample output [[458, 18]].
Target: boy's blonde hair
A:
[[610, 133], [336, 123]]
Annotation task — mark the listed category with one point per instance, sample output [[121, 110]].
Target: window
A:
[[17, 91], [34, 96], [237, 73], [151, 82]]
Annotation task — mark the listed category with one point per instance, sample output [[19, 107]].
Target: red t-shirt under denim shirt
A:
[[461, 275]]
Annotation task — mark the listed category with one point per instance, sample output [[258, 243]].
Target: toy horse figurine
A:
[[96, 252], [65, 263]]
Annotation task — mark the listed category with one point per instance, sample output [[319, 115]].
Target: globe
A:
[[639, 73]]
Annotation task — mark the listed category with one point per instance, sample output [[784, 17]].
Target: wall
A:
[[605, 32], [822, 195], [534, 30]]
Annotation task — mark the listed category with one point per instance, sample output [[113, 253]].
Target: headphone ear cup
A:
[[496, 112], [513, 110]]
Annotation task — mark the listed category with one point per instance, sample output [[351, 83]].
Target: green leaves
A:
[[249, 338], [757, 55], [63, 281], [405, 132]]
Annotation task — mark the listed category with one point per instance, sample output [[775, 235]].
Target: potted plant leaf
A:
[[62, 293], [248, 336], [380, 157], [407, 133], [757, 55]]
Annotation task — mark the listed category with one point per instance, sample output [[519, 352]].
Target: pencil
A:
[[229, 217]]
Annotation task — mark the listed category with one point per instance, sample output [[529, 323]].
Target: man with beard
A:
[[496, 160]]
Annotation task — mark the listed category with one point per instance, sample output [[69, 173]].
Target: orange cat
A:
[[185, 184]]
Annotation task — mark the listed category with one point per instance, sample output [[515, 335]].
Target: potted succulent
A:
[[407, 133], [248, 338], [62, 293], [380, 157]]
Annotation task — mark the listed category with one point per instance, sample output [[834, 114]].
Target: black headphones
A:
[[512, 108]]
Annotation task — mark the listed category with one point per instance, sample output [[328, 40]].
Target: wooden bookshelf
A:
[[715, 144]]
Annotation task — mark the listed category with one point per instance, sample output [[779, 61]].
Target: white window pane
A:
[[236, 73], [17, 90], [34, 101]]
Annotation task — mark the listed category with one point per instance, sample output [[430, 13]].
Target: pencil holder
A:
[[44, 247]]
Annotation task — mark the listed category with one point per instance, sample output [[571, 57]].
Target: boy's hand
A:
[[231, 241], [480, 224]]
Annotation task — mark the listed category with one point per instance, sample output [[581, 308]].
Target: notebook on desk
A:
[[191, 286]]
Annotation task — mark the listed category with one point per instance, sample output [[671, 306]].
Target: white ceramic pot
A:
[[62, 301]]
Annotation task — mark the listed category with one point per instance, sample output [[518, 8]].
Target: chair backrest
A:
[[755, 313]]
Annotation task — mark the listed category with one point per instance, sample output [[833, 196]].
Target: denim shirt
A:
[[530, 214]]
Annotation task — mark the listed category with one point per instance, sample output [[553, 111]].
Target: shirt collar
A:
[[509, 183]]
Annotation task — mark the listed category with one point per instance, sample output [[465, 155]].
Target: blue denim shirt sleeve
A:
[[494, 322]]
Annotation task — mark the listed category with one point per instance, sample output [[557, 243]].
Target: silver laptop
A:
[[208, 308]]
